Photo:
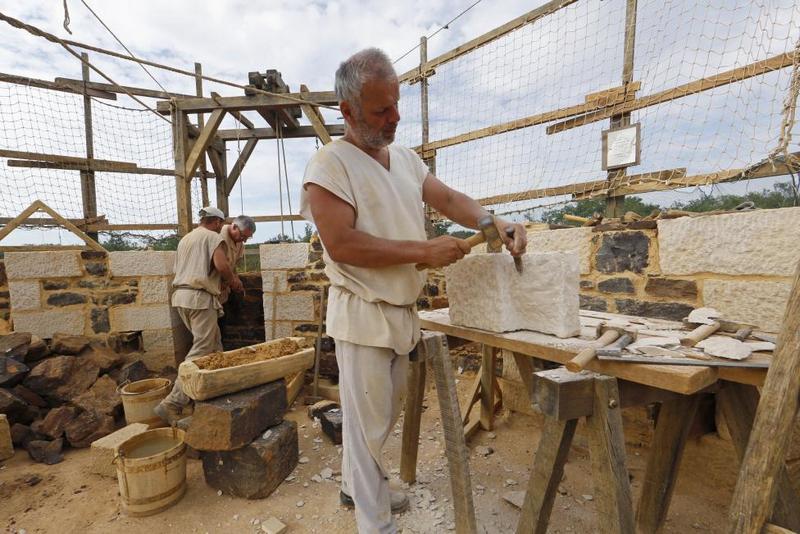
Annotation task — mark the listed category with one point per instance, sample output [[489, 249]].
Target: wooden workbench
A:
[[676, 387]]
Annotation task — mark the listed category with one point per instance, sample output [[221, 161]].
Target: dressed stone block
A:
[[25, 295], [104, 449], [48, 322], [487, 292], [50, 264], [283, 256], [132, 318], [142, 263], [155, 290], [578, 240]]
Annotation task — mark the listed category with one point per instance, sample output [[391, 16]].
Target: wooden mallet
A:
[[606, 335]]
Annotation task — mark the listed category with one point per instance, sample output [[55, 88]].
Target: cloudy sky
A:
[[548, 65]]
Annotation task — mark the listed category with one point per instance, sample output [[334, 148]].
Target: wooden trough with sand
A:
[[220, 373]]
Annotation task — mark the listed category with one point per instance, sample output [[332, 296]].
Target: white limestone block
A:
[[278, 329], [155, 289], [105, 449], [297, 306], [160, 340], [753, 302], [751, 242], [577, 240], [283, 256], [133, 318], [45, 323], [50, 264], [486, 292], [274, 281], [142, 263], [25, 295]]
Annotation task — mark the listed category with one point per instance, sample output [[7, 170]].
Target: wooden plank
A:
[[454, 441], [546, 474], [183, 192], [222, 184], [54, 86], [411, 421], [96, 167], [202, 142], [614, 95], [473, 396], [679, 379], [269, 133], [198, 85], [238, 167], [54, 158], [38, 205], [244, 103], [238, 116], [32, 248], [315, 118], [46, 221], [294, 386], [77, 85], [607, 450], [487, 386], [703, 84], [674, 421], [16, 221], [739, 404], [756, 486], [469, 46], [277, 218], [88, 189]]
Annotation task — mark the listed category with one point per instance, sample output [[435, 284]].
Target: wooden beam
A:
[[755, 491], [88, 188], [315, 118], [245, 103], [703, 84], [97, 167], [63, 159], [411, 420], [247, 123], [32, 248], [54, 86], [202, 142], [508, 27], [221, 183], [38, 205], [83, 224], [241, 161], [77, 85], [198, 87], [277, 218], [183, 191], [269, 133]]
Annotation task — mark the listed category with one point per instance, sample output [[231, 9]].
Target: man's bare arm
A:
[[466, 211], [220, 261], [335, 220]]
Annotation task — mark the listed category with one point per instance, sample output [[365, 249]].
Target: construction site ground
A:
[[65, 498]]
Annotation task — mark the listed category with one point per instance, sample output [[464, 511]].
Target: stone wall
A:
[[92, 293], [741, 264], [243, 322]]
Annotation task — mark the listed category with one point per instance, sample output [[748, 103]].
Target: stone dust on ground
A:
[[65, 498]]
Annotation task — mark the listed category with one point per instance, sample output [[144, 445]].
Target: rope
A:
[[52, 38], [445, 27], [66, 18], [119, 41], [282, 142], [280, 185]]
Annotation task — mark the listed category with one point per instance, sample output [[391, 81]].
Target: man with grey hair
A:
[[201, 267], [366, 197], [235, 235]]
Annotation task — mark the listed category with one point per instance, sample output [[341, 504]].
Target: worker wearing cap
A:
[[366, 197], [201, 269], [235, 235]]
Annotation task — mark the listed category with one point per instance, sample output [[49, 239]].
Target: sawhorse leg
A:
[[674, 421], [564, 397], [413, 415]]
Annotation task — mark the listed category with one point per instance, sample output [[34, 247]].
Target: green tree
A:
[[587, 208], [169, 242], [116, 241], [308, 231]]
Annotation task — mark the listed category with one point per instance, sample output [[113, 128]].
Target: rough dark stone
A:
[[46, 452], [62, 378], [232, 421], [93, 255], [66, 299], [587, 284], [54, 284], [623, 251], [133, 283], [132, 372], [671, 288], [314, 256], [12, 372], [674, 311], [67, 344], [431, 290], [15, 345], [100, 321], [5, 295], [328, 344], [593, 303], [320, 407], [423, 303], [257, 469], [96, 269], [37, 350], [616, 285], [103, 357], [13, 406], [316, 244], [3, 277], [297, 278], [54, 423], [305, 327], [114, 299], [88, 427], [439, 302], [29, 396], [92, 284], [102, 397], [303, 287], [327, 364], [125, 342], [332, 425], [20, 434]]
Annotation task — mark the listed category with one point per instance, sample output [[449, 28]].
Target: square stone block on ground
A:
[[486, 292], [50, 264], [283, 256], [104, 449], [256, 470], [232, 421]]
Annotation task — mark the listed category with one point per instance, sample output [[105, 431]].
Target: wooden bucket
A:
[[151, 471], [140, 397]]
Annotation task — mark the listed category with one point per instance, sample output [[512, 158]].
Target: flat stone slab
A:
[[232, 421], [104, 449], [254, 471], [486, 292]]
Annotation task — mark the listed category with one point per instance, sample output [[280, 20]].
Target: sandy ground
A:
[[70, 500]]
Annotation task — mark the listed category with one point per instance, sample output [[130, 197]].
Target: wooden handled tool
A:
[[615, 348], [699, 334], [487, 232], [706, 322], [582, 359]]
